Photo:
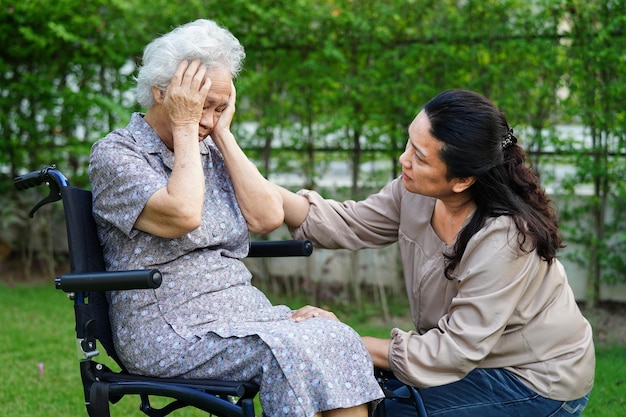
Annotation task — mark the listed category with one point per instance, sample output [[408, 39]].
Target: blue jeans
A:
[[483, 393]]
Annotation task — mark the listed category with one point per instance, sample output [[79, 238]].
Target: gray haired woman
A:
[[174, 191]]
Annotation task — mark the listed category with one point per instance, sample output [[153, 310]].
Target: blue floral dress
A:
[[207, 320]]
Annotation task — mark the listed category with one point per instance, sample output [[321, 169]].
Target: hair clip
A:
[[508, 139]]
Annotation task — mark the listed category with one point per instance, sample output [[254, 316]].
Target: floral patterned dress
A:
[[207, 320]]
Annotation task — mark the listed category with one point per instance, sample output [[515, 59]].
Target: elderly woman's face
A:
[[216, 101], [180, 103]]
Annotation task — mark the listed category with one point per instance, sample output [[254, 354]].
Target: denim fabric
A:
[[483, 393]]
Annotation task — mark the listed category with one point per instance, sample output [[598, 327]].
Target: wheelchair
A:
[[389, 384], [86, 284]]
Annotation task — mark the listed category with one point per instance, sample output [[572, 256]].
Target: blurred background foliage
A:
[[329, 80]]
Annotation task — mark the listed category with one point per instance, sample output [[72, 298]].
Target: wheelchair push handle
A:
[[49, 175]]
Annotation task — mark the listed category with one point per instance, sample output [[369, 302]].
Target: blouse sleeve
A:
[[492, 278], [352, 225], [122, 181]]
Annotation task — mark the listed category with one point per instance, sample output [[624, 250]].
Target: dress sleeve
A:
[[122, 180], [353, 225], [492, 277]]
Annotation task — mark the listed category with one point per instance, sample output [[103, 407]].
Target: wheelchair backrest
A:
[[82, 236], [85, 255]]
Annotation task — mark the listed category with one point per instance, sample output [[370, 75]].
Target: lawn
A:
[[39, 365]]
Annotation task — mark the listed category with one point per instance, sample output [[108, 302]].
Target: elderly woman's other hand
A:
[[223, 124], [310, 312]]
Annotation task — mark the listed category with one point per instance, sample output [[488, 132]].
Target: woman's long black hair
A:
[[479, 143]]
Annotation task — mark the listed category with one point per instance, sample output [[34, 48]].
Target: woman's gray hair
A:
[[201, 39]]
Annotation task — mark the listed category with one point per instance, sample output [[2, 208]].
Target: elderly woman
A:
[[497, 329], [173, 190]]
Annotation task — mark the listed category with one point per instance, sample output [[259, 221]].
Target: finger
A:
[[206, 86], [179, 74], [198, 77], [302, 313], [310, 312], [192, 67], [193, 75], [304, 317]]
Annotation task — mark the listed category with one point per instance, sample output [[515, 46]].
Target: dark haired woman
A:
[[498, 331]]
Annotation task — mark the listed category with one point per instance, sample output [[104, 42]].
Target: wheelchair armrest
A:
[[109, 281], [280, 248], [152, 278]]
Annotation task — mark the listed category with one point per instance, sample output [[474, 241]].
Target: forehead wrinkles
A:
[[217, 97], [219, 92]]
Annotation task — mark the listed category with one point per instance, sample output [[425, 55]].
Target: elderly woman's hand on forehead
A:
[[187, 92]]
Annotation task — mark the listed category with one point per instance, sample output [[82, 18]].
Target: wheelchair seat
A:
[[87, 283]]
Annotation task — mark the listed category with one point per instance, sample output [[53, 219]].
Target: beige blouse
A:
[[506, 309]]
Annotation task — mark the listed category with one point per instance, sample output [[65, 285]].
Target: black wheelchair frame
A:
[[389, 384], [86, 285]]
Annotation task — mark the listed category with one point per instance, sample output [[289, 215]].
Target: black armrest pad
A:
[[280, 248], [109, 281]]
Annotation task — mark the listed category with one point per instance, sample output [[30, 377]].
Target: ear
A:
[[462, 184], [158, 94]]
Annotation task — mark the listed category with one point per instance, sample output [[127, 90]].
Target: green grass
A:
[[608, 398], [38, 327]]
